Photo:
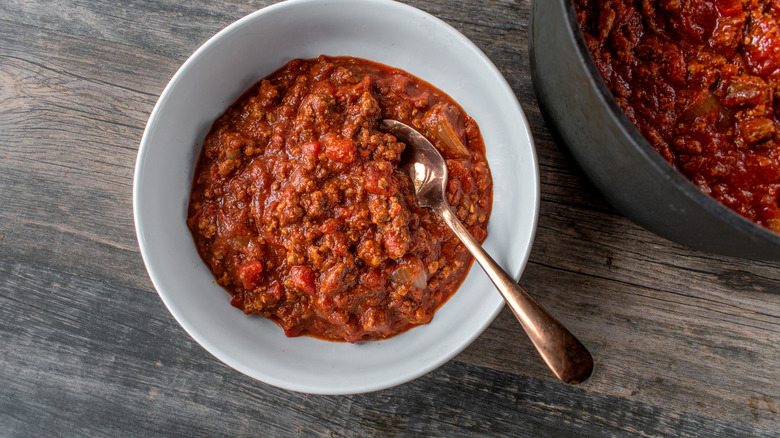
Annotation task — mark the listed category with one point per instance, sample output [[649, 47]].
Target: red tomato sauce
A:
[[700, 79], [301, 213]]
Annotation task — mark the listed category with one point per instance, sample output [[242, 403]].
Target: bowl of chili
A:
[[217, 75], [668, 109]]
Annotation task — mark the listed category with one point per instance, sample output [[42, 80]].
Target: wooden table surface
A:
[[686, 343]]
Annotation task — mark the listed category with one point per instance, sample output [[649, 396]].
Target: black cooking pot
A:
[[620, 163]]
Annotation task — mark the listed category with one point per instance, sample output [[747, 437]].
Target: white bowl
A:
[[215, 76]]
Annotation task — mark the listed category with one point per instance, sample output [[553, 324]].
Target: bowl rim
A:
[[533, 204], [686, 186]]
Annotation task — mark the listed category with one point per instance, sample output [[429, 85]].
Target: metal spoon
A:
[[568, 359]]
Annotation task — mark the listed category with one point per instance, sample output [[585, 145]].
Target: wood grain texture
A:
[[134, 361], [686, 343]]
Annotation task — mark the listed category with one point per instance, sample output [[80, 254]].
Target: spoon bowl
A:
[[564, 354]]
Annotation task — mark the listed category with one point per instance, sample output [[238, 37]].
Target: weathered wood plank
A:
[[82, 357], [672, 326], [71, 137], [686, 354], [163, 27], [685, 342]]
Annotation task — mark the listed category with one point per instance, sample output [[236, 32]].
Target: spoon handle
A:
[[568, 359]]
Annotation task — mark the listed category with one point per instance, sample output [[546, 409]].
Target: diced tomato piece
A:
[[303, 278], [379, 180], [762, 54], [275, 291], [238, 301], [342, 212], [478, 233], [340, 149], [250, 274], [293, 332], [311, 149], [333, 281], [698, 19], [395, 245], [729, 8], [374, 279], [330, 226]]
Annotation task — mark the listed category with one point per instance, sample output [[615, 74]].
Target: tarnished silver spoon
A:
[[568, 359]]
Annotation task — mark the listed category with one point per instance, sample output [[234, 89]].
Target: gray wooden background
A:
[[686, 343]]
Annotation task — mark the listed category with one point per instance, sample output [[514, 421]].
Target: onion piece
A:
[[421, 280], [411, 270], [706, 106], [446, 134], [439, 126]]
